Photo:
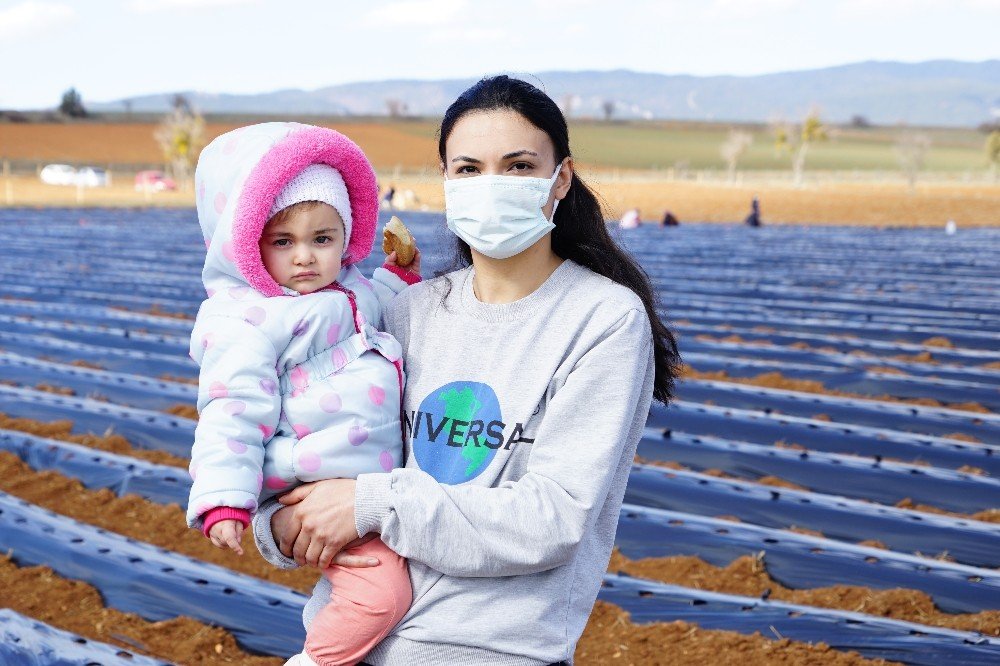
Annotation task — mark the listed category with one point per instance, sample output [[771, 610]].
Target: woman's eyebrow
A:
[[463, 158], [325, 231], [519, 153]]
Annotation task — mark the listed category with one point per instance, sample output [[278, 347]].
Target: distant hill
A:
[[940, 92]]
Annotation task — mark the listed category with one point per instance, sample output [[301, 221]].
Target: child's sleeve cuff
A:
[[212, 516]]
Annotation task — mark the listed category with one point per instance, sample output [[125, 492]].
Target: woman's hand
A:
[[317, 523]]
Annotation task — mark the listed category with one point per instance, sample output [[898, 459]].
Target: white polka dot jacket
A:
[[292, 388]]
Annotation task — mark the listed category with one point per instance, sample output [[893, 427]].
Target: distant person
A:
[[950, 227], [297, 383], [669, 220], [388, 197], [753, 219], [630, 219]]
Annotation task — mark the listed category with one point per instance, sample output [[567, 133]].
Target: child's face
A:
[[304, 251]]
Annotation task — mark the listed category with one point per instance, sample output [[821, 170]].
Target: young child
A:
[[297, 384]]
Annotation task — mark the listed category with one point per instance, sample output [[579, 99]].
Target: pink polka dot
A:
[[331, 403], [376, 394], [301, 326], [207, 340], [267, 431], [238, 292], [236, 446], [235, 408], [220, 202], [363, 280], [309, 461], [332, 334], [357, 435], [230, 146], [339, 358], [208, 243], [193, 471], [210, 292], [250, 505], [268, 386], [201, 190], [275, 483], [301, 430], [228, 251], [217, 390], [255, 316], [385, 459]]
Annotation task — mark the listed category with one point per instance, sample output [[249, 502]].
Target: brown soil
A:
[[873, 543], [611, 638], [986, 516], [885, 370], [186, 411], [779, 483], [62, 430], [748, 576], [133, 516], [961, 436], [992, 365], [969, 469], [58, 390], [779, 381], [77, 607], [87, 364], [922, 357], [938, 341], [155, 310], [805, 530], [179, 379], [821, 417]]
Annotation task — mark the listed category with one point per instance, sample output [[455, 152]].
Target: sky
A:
[[113, 49]]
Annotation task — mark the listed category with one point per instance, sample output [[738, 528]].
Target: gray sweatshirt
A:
[[520, 424]]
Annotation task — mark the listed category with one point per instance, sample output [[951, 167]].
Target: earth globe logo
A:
[[445, 440]]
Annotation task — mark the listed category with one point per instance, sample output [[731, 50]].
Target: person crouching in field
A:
[[297, 383]]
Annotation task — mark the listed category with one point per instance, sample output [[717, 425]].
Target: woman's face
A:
[[503, 143]]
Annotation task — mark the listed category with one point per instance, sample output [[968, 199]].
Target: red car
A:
[[153, 181]]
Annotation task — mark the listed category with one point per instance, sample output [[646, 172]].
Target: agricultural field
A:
[[823, 490]]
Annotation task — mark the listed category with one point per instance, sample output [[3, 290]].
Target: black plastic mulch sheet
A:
[[155, 583], [28, 642], [968, 541], [876, 638]]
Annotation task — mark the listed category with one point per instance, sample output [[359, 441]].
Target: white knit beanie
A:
[[317, 182]]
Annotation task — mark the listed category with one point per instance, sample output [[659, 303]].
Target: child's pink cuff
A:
[[409, 277], [212, 516]]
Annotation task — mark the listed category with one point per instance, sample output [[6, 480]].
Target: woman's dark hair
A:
[[580, 233]]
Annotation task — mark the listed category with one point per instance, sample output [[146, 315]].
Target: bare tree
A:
[[733, 148], [608, 107], [181, 135], [993, 153], [396, 107], [796, 141], [71, 104], [911, 150]]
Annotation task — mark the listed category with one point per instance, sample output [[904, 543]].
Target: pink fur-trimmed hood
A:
[[240, 174]]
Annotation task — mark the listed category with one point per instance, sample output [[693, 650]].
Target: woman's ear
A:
[[565, 178]]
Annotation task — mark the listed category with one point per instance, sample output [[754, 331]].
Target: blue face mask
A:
[[499, 216]]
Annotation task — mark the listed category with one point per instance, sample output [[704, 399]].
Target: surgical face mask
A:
[[499, 216]]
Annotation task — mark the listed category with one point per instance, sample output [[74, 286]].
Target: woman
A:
[[529, 378]]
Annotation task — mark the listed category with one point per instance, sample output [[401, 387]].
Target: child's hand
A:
[[227, 533], [413, 267]]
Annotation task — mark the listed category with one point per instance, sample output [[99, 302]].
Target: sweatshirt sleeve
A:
[[535, 523], [238, 406]]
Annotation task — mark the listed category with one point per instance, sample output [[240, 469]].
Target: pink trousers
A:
[[365, 604]]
